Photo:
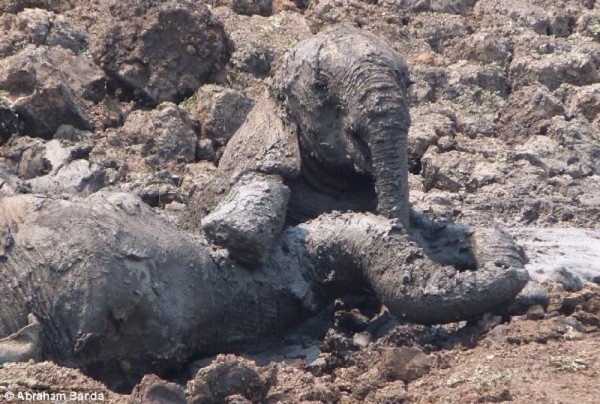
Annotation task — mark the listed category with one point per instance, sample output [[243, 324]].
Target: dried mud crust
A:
[[50, 378]]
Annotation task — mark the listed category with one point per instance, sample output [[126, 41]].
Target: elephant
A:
[[309, 202], [333, 127], [119, 291]]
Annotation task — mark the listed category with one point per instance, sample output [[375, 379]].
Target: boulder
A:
[[248, 7], [153, 390], [227, 375], [149, 141], [160, 51], [42, 27], [15, 6], [406, 364], [220, 112], [52, 86], [9, 122]]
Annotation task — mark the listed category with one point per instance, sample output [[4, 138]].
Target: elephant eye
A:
[[406, 80]]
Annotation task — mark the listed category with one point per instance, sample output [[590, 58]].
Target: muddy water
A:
[[551, 250]]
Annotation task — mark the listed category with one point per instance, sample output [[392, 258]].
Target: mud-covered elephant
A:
[[120, 291], [333, 126]]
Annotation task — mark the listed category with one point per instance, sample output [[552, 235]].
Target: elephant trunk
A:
[[377, 87], [390, 168], [354, 248]]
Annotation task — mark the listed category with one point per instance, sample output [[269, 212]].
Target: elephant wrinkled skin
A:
[[120, 291]]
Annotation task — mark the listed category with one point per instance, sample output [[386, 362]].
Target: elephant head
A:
[[346, 92]]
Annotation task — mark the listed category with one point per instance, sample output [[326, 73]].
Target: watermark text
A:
[[52, 396]]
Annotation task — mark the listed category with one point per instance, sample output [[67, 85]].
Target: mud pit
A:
[[504, 111]]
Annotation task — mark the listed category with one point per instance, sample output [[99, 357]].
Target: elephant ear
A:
[[265, 143]]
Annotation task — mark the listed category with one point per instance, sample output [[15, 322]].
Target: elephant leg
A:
[[250, 218]]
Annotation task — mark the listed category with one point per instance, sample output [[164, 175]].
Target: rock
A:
[[220, 112], [532, 295], [430, 82], [381, 324], [42, 27], [449, 171], [157, 192], [226, 376], [51, 87], [76, 177], [552, 70], [438, 6], [535, 313], [71, 134], [440, 35], [391, 393], [205, 151], [527, 112], [15, 6], [544, 20], [338, 345], [56, 155], [49, 167], [428, 126], [149, 141], [10, 184], [153, 390], [570, 281], [248, 7], [24, 156], [161, 51], [237, 399], [406, 364], [23, 345], [586, 102], [466, 77], [322, 393], [261, 42], [196, 176], [484, 46], [9, 121], [352, 321], [588, 24], [362, 339]]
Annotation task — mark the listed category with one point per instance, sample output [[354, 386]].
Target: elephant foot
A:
[[22, 345], [250, 218]]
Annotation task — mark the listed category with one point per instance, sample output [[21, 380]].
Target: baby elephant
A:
[[332, 129]]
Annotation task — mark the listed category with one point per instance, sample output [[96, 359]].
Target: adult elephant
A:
[[115, 289]]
